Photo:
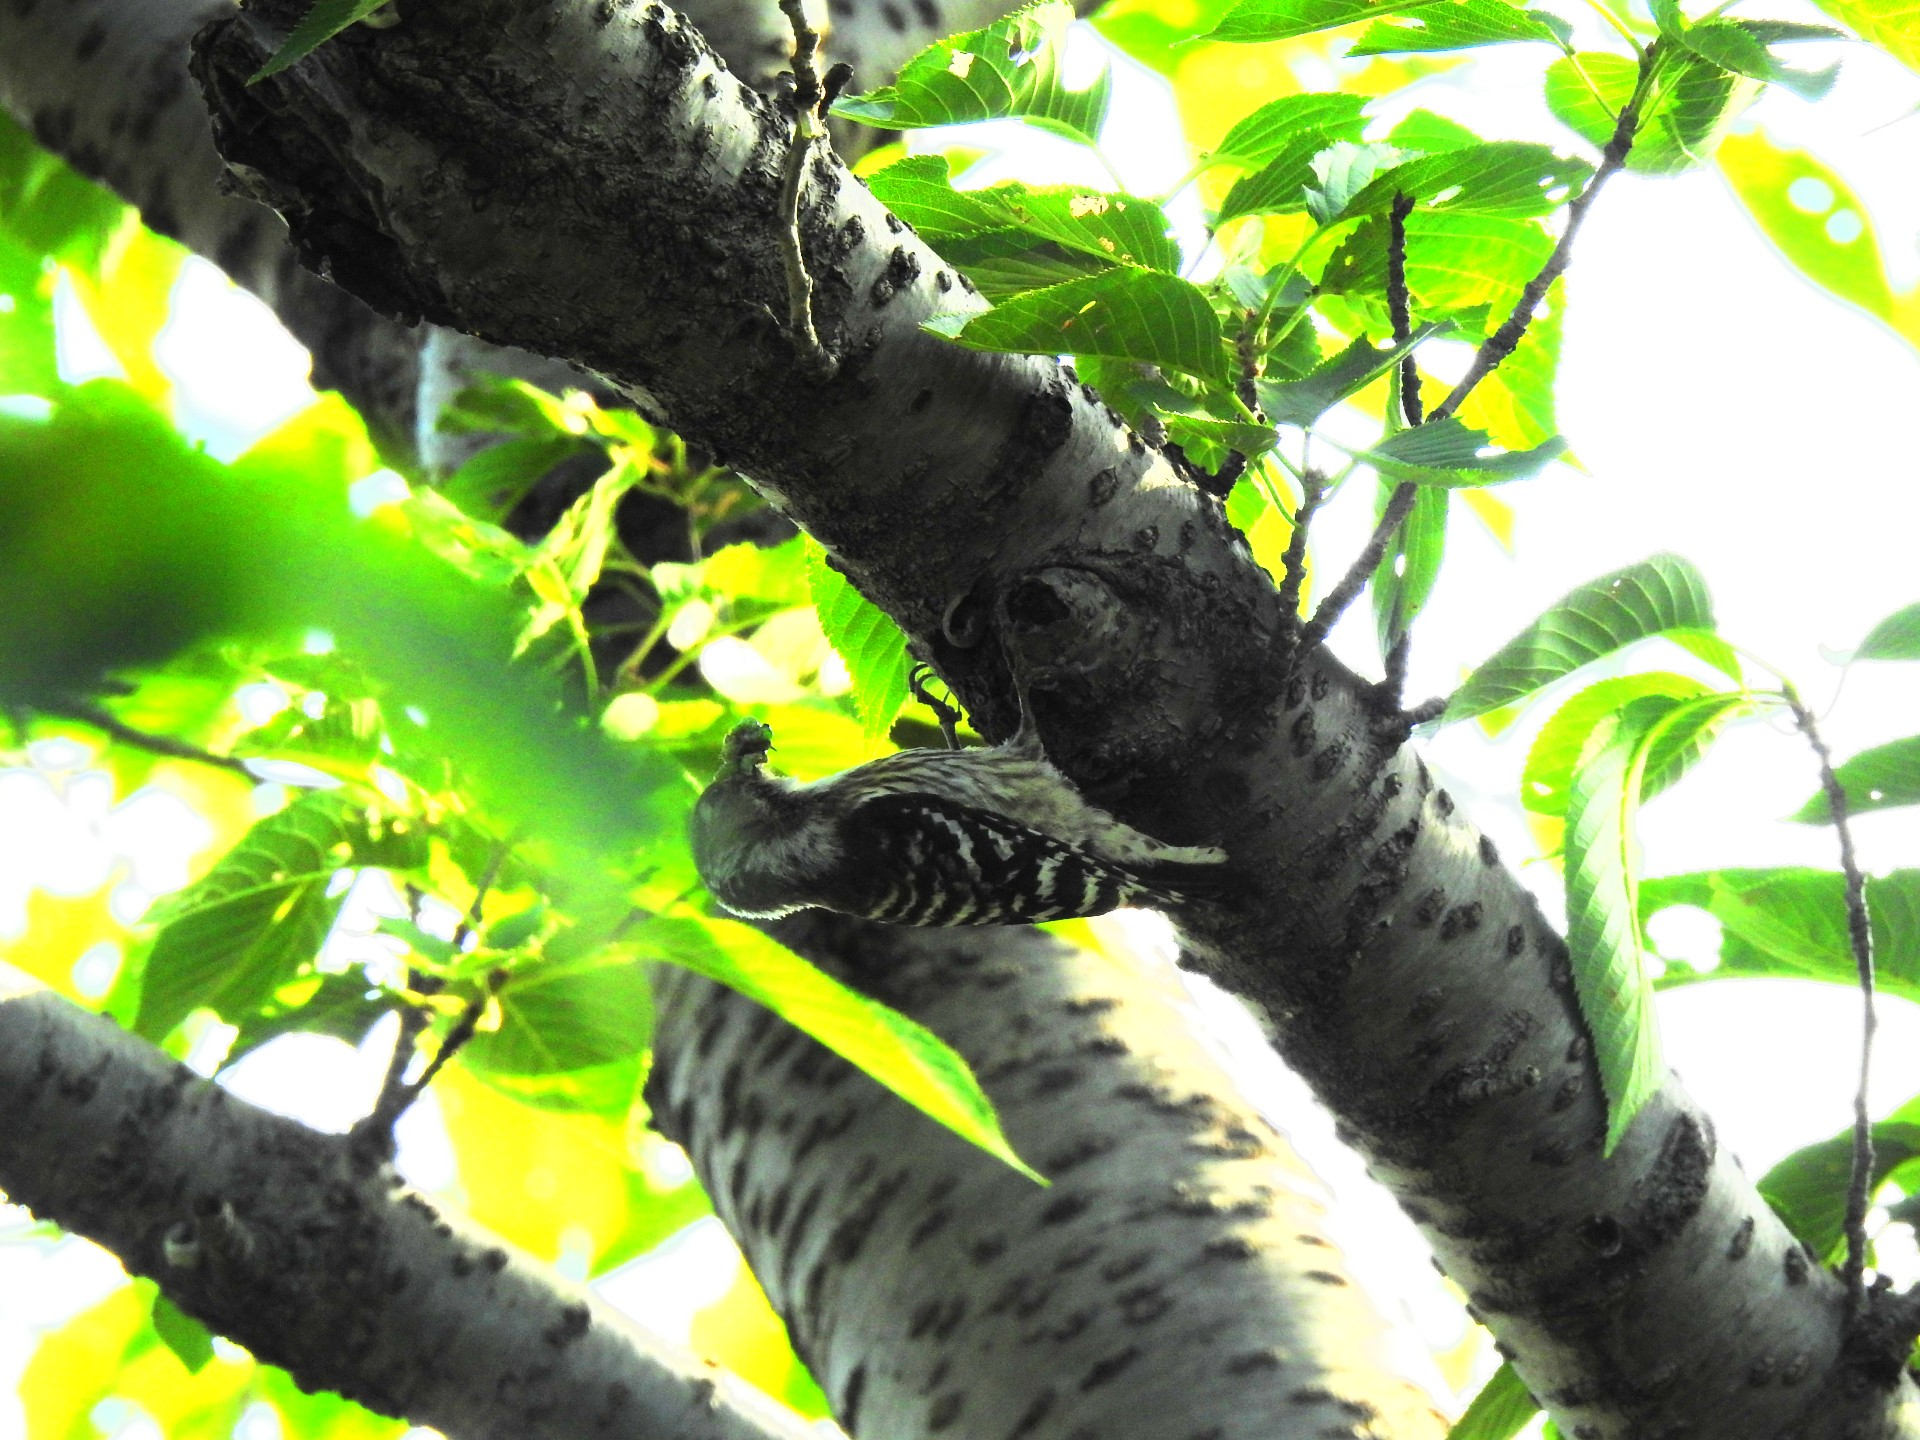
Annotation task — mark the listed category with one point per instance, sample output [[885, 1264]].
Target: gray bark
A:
[[311, 1253], [1174, 1282], [996, 509]]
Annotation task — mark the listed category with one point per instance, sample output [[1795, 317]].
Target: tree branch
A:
[[289, 1243]]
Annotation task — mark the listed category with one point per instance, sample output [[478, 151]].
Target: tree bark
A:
[[1008, 520], [307, 1249], [1174, 1282]]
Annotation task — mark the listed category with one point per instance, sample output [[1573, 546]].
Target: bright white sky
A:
[[1723, 409]]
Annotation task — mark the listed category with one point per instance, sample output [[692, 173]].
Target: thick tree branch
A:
[[290, 1243], [1174, 1280], [1405, 972]]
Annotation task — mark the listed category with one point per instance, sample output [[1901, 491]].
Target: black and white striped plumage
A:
[[928, 837]]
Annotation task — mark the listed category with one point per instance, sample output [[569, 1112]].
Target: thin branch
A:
[[808, 129], [1293, 565], [1496, 348], [1399, 307], [125, 734], [1502, 343], [1860, 934]]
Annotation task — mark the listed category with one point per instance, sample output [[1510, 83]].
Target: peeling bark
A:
[[1174, 1282], [586, 180], [314, 1256]]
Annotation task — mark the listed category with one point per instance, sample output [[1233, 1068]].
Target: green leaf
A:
[[344, 1006], [1470, 268], [490, 484], [1654, 597], [1695, 102], [1891, 24], [1793, 922], [50, 209], [1302, 402], [1448, 454], [1808, 1189], [1460, 25], [1276, 125], [1123, 314], [906, 1057], [185, 1336], [1603, 933], [1546, 781], [1280, 186], [864, 636], [1343, 172], [1741, 46], [1895, 638], [1404, 579], [569, 1015], [1882, 778], [1011, 68], [1501, 177], [1011, 219], [1207, 440], [325, 20], [1500, 1411], [252, 923], [1254, 21]]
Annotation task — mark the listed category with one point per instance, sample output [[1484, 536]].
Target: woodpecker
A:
[[980, 836]]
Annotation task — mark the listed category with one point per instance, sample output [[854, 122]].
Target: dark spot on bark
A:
[[1328, 761], [1056, 1080], [1322, 685], [1326, 1277], [1030, 1418], [494, 1259], [1233, 1247], [1760, 1370], [1570, 1090], [1443, 802], [920, 401], [944, 1411], [928, 14], [1389, 787], [1430, 907], [1302, 734], [1426, 1004], [1516, 940], [988, 1249], [850, 1398], [1101, 1371], [1489, 852], [1577, 1049], [1249, 1361], [91, 39], [1742, 1240], [1103, 487], [1461, 920], [1795, 1266], [1064, 1209], [574, 1321], [1120, 1269], [1796, 1369], [1144, 1305], [895, 17], [1558, 1151]]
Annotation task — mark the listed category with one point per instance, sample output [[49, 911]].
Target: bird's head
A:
[[745, 748]]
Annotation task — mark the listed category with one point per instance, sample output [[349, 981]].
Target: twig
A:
[[470, 921], [126, 734], [809, 96], [1860, 934], [1399, 308], [1494, 349], [1502, 343], [1399, 505], [1293, 565]]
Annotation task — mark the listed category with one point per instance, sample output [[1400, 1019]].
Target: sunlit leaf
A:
[[1793, 922], [1460, 25], [1254, 21], [1742, 47], [1546, 781], [1302, 402], [249, 926], [1404, 579], [1882, 778], [1895, 638], [1342, 173], [1449, 455], [865, 637], [1653, 597], [904, 1056], [1678, 130], [1123, 314], [1468, 268], [1893, 25], [1503, 177], [1011, 68], [1276, 125], [1603, 931], [185, 1336]]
